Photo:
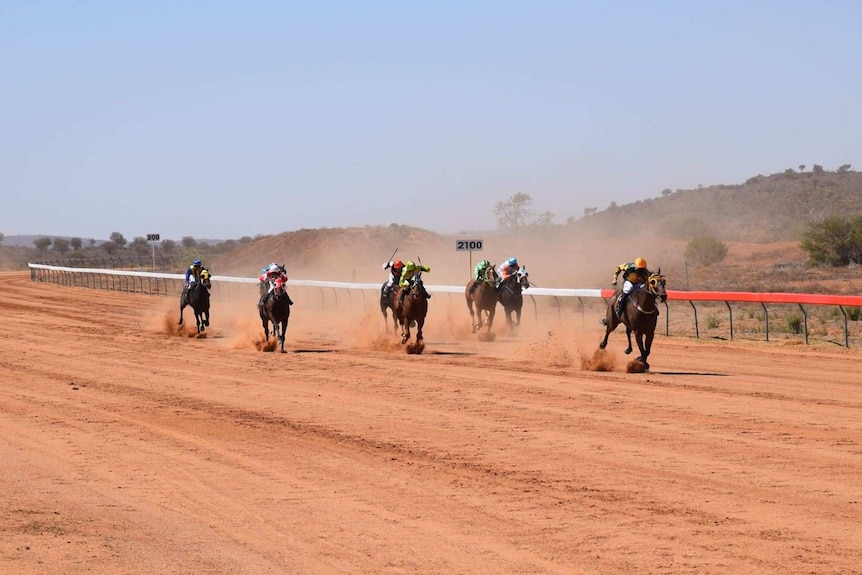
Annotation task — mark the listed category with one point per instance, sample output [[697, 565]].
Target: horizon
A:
[[235, 121]]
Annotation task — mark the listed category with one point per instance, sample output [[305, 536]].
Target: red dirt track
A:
[[129, 447]]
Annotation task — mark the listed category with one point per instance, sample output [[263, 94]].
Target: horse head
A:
[[278, 287], [417, 290], [656, 285], [205, 278], [490, 275], [523, 278]]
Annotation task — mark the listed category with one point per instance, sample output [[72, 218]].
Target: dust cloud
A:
[[561, 333]]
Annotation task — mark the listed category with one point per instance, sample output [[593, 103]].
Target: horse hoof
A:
[[602, 345]]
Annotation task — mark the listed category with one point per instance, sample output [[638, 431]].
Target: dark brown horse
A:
[[484, 297], [412, 308], [511, 297], [274, 307], [387, 302], [640, 315], [197, 295]]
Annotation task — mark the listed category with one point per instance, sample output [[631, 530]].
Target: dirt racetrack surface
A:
[[129, 446]]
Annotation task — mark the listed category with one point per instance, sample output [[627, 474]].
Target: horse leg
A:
[[206, 316], [645, 347], [629, 338], [518, 316], [265, 321], [473, 315], [283, 334], [491, 313], [405, 330], [610, 326], [419, 323], [182, 306]]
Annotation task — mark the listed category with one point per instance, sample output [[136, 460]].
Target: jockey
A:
[[193, 275], [396, 266], [634, 275], [406, 279], [276, 275], [506, 270], [479, 273]]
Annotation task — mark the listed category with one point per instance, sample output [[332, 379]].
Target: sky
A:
[[217, 119]]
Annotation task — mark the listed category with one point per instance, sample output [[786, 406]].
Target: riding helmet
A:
[[640, 263], [513, 261], [196, 263]]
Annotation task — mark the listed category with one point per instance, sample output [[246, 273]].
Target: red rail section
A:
[[762, 298], [757, 297]]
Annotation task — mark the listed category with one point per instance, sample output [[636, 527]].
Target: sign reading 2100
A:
[[465, 245]]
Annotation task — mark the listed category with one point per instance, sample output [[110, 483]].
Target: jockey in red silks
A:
[[276, 275]]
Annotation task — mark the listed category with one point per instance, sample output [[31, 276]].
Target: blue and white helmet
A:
[[196, 263], [512, 261], [273, 267]]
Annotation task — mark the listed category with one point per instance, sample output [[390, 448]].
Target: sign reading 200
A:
[[465, 245]]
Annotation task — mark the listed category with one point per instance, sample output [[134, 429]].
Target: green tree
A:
[[118, 239], [168, 246], [189, 242], [705, 251], [544, 220], [514, 213], [843, 168], [140, 246], [834, 241], [817, 169], [1, 237], [76, 243], [61, 245], [801, 168], [42, 243], [109, 247]]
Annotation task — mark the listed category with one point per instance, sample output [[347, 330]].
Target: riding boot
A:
[[621, 301], [289, 301]]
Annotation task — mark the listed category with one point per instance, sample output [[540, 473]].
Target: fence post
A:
[[696, 327]]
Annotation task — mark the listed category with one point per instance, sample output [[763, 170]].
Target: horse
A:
[[484, 297], [509, 294], [412, 307], [197, 295], [274, 306], [640, 315], [387, 302]]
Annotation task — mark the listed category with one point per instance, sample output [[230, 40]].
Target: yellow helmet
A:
[[640, 263], [410, 265]]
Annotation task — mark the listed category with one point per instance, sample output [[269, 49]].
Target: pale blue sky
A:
[[224, 119]]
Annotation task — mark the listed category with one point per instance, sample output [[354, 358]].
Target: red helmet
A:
[[398, 264]]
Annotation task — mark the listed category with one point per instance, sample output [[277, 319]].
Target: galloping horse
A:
[[485, 299], [511, 298], [387, 301], [413, 307], [275, 307], [640, 315], [198, 297]]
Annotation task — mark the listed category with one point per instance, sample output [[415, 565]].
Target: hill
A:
[[763, 209], [760, 220]]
